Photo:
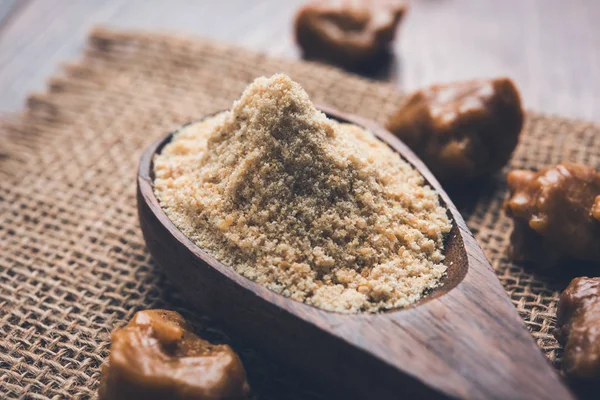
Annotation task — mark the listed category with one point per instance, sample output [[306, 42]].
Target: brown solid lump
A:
[[556, 214], [461, 130], [579, 328], [319, 211], [156, 356], [348, 33]]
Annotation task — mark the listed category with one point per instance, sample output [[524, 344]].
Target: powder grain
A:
[[316, 210]]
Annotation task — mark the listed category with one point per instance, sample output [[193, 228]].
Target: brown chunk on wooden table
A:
[[348, 33], [579, 328], [461, 130], [556, 214], [156, 356]]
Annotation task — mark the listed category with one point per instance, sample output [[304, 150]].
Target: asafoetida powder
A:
[[320, 211]]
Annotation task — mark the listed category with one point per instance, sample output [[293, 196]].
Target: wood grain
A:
[[464, 340], [551, 48], [8, 9]]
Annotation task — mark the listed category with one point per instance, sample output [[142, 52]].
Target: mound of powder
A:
[[316, 210]]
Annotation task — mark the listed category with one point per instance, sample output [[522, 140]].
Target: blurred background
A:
[[551, 48]]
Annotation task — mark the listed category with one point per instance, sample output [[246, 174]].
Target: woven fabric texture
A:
[[73, 265]]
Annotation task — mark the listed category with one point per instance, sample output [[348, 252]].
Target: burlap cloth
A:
[[73, 265]]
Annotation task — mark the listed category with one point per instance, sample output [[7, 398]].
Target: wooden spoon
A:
[[463, 340]]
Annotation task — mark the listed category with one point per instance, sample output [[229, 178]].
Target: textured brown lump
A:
[[156, 356], [555, 212], [579, 328], [462, 130], [348, 33], [318, 211]]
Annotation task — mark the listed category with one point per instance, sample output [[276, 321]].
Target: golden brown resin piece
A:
[[348, 33], [461, 130], [156, 356], [555, 212], [579, 328]]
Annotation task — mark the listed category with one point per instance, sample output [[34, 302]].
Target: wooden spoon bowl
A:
[[462, 340]]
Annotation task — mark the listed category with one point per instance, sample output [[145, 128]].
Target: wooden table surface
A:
[[551, 48]]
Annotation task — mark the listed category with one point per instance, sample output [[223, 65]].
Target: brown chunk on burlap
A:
[[72, 260]]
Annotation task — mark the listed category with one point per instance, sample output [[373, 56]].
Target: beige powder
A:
[[313, 209]]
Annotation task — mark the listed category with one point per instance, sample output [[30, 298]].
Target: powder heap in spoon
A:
[[320, 211]]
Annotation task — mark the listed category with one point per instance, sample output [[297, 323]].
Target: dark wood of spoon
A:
[[463, 340]]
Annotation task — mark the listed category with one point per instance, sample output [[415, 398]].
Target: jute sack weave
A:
[[72, 260]]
